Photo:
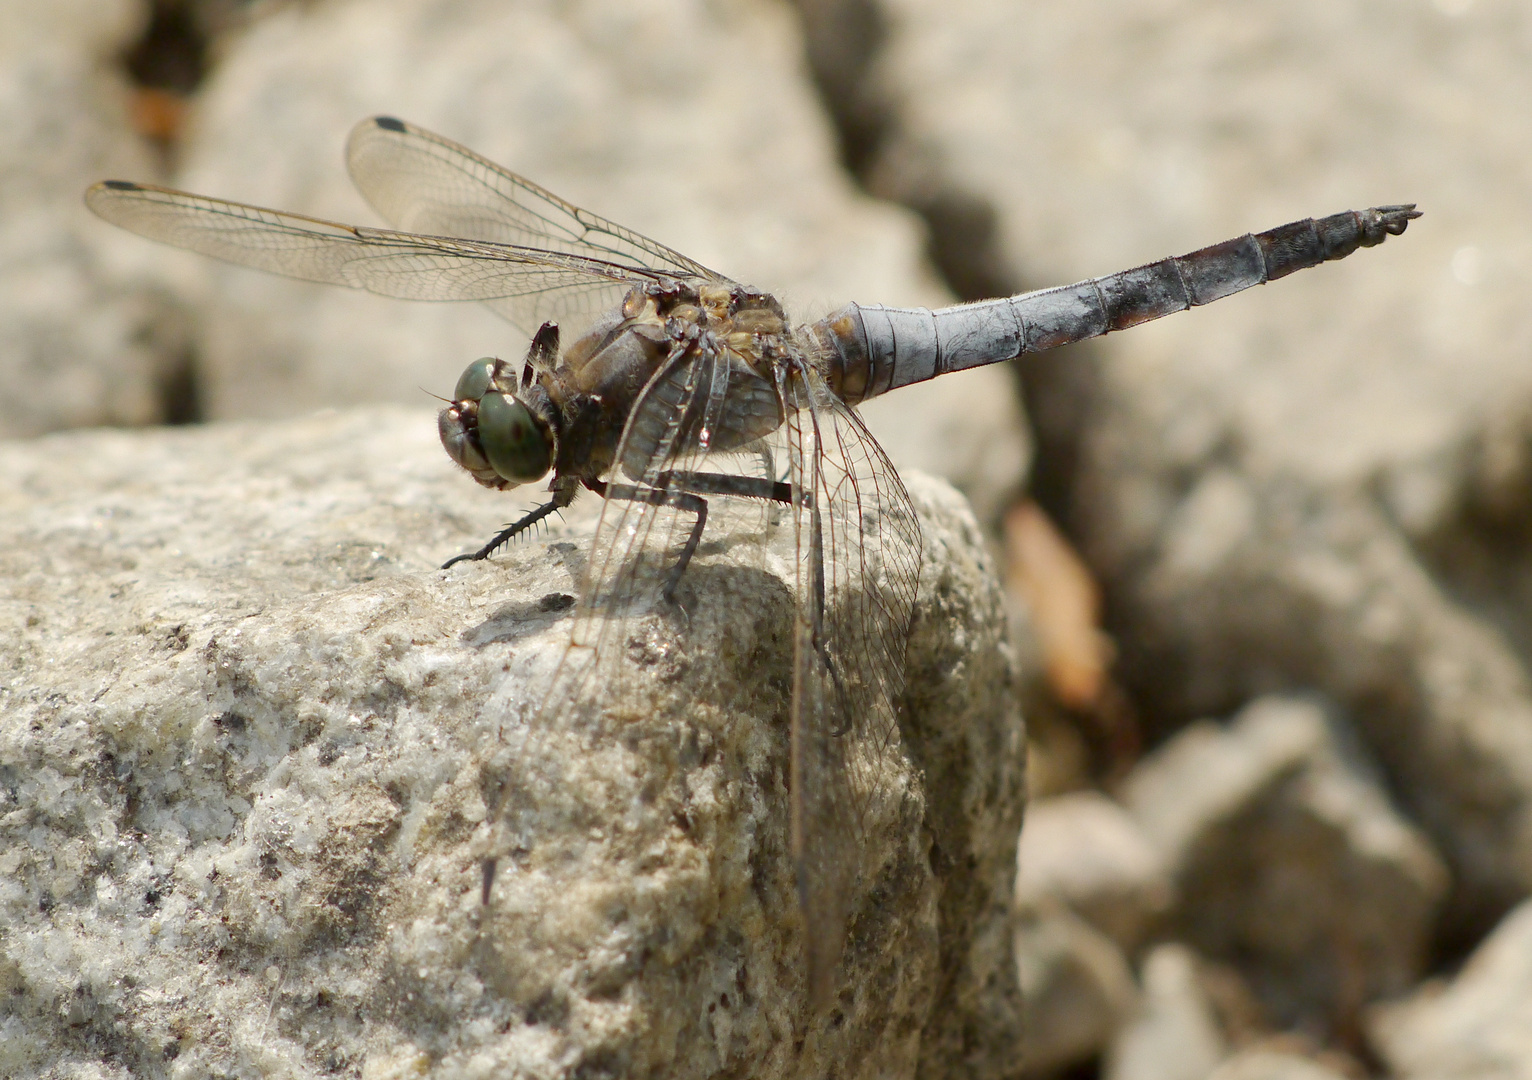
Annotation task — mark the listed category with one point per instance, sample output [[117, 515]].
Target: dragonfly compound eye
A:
[[476, 380], [516, 444]]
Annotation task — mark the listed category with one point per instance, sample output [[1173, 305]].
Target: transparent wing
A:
[[423, 183], [858, 548], [855, 567], [855, 575], [397, 264], [699, 421]]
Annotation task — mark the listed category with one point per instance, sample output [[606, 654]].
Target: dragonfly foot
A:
[[675, 606]]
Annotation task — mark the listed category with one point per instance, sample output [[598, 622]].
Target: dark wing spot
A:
[[388, 123], [120, 185]]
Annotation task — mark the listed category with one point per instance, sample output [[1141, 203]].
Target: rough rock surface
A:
[[82, 340], [1087, 852], [1298, 486], [689, 120], [1479, 1024], [244, 756], [1289, 860]]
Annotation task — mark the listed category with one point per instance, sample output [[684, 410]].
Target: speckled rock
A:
[[1300, 486], [1290, 861], [246, 747], [84, 339], [1477, 1024]]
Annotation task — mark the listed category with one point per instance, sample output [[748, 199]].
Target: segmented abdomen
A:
[[871, 349]]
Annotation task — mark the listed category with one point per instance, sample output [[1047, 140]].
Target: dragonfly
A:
[[665, 387]]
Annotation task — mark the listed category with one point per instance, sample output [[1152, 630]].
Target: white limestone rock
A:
[[1174, 1033], [1289, 861], [1076, 985], [84, 338], [1084, 850], [1476, 1024], [1267, 1064]]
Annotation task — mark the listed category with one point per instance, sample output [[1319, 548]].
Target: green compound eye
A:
[[475, 380], [517, 448]]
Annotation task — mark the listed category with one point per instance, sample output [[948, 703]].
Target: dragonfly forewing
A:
[[408, 266], [420, 182]]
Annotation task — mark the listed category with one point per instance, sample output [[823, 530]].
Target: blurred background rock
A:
[[1269, 565]]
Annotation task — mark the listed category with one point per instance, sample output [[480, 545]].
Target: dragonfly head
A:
[[490, 430]]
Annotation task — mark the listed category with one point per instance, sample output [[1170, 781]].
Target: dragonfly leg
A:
[[505, 534], [747, 487], [659, 496], [700, 483], [684, 491]]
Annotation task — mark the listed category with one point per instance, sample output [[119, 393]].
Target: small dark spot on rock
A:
[[231, 722], [556, 602], [309, 730], [548, 1008]]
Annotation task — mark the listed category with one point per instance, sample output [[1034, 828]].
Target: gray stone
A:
[[1174, 1033], [1076, 986], [1087, 852], [83, 340], [1289, 860], [644, 115], [248, 736], [1299, 486], [1476, 1025]]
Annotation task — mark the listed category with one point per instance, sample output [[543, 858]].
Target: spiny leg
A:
[[681, 500], [511, 530], [700, 483]]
